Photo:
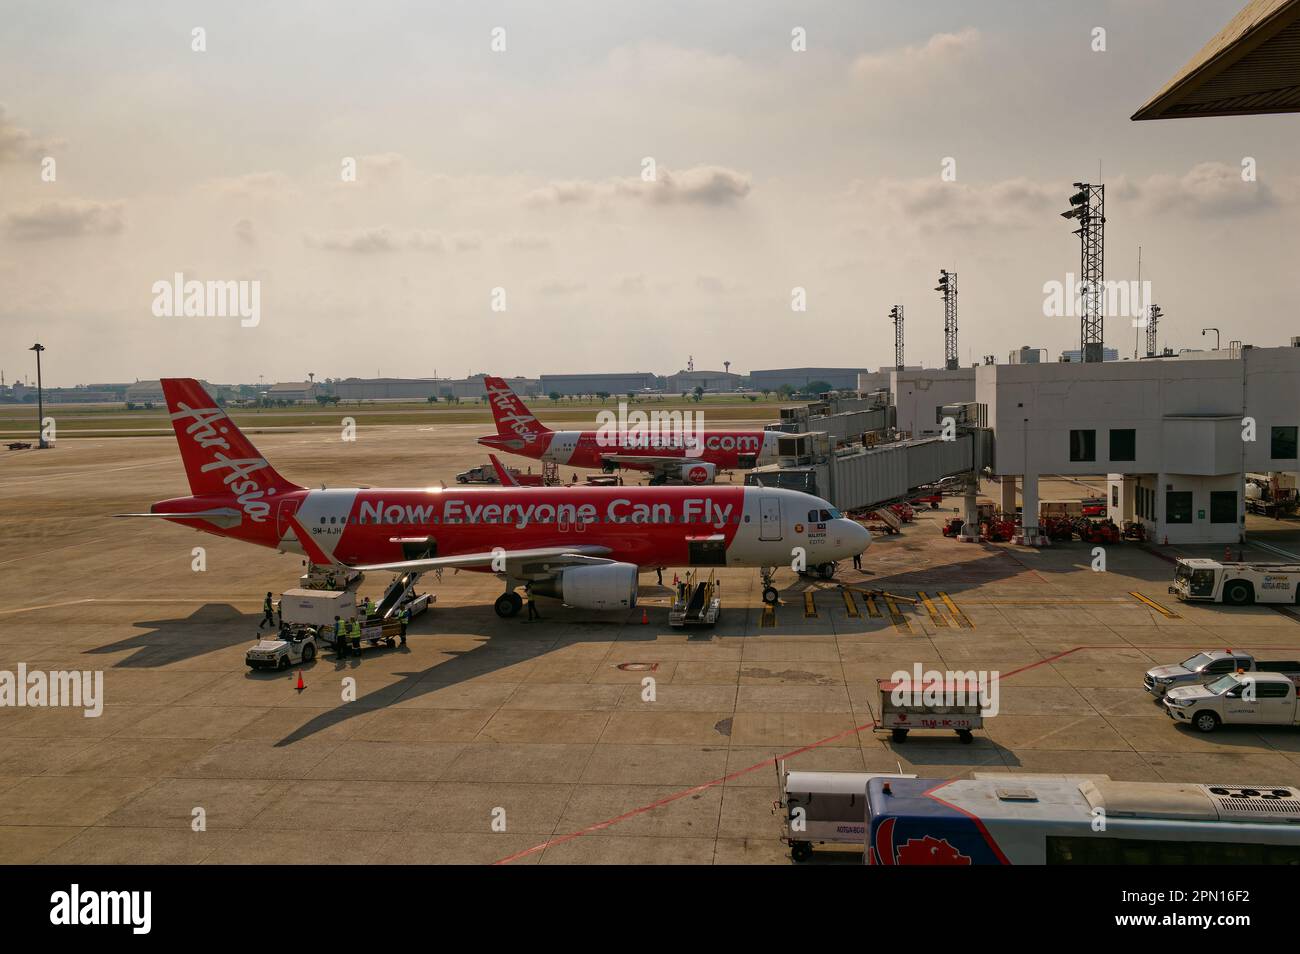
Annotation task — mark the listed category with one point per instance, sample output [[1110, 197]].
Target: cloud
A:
[[630, 285], [699, 185], [1207, 190], [528, 243], [931, 203], [244, 231], [253, 185], [67, 218], [938, 53], [17, 144], [381, 239]]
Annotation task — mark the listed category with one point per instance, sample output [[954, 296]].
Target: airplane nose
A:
[[857, 536]]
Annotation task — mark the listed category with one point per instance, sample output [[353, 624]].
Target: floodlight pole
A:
[[40, 398]]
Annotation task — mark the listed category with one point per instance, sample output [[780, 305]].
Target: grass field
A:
[[114, 420]]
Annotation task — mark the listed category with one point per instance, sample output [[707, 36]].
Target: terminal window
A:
[[1223, 506], [1178, 506], [1284, 443], [1083, 445], [1123, 444]]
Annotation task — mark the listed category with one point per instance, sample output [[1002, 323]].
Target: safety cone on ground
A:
[[645, 617], [1227, 554], [1166, 539], [301, 686]]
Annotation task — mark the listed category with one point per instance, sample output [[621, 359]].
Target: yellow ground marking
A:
[[872, 608], [1163, 611], [961, 618], [769, 616], [935, 616], [850, 605], [809, 605], [898, 619]]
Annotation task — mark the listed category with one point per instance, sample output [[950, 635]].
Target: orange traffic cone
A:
[[301, 686], [645, 617]]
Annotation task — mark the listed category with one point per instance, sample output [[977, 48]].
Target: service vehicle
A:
[[823, 808], [296, 645], [1208, 666], [1000, 818], [953, 706], [696, 602], [482, 474], [1239, 698], [1213, 581]]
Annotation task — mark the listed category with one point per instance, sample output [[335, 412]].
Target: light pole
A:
[[40, 398], [1216, 336]]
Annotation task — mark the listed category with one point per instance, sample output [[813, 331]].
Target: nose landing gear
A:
[[770, 594], [508, 604]]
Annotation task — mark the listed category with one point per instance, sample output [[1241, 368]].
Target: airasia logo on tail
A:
[[503, 402]]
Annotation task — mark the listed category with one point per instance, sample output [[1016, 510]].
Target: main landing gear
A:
[[509, 604]]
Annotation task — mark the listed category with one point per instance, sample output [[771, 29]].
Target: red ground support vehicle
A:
[[931, 500], [1094, 507], [904, 511], [1134, 531], [952, 527], [1058, 528], [1101, 531], [998, 530]]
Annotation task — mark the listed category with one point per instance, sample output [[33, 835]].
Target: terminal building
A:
[[567, 385], [1176, 437]]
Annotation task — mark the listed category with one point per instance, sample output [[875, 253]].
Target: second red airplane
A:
[[677, 452]]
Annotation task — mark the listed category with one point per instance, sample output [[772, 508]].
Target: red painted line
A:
[[676, 796]]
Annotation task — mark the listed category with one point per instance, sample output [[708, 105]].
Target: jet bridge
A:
[[860, 477]]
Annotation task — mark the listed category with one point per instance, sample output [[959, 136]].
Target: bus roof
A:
[[1074, 797]]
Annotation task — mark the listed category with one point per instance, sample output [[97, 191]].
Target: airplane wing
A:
[[221, 516], [520, 562], [660, 465]]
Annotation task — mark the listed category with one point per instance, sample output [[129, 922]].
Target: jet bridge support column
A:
[[970, 528], [1030, 535]]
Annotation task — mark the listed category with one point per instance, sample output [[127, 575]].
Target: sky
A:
[[622, 187]]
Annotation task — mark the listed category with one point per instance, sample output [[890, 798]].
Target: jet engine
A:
[[698, 472], [600, 587]]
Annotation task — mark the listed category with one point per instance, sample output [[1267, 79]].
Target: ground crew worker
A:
[[857, 561], [368, 607], [532, 606], [268, 612], [356, 636], [404, 619], [340, 637], [659, 571]]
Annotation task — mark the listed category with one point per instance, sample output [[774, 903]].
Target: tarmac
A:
[[488, 740]]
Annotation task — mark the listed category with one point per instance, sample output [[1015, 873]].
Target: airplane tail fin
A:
[[512, 418], [218, 458]]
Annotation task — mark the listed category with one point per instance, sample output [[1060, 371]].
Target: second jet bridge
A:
[[861, 477]]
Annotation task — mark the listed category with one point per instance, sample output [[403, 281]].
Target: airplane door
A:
[[769, 510], [286, 510]]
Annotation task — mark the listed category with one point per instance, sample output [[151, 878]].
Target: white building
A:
[[919, 395], [1176, 437]]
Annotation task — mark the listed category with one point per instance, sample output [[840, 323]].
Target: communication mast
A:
[[1088, 207], [1152, 320], [896, 313], [948, 286]]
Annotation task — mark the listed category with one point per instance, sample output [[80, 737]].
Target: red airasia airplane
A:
[[582, 545], [666, 456]]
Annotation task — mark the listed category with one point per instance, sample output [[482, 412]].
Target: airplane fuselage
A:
[[727, 450], [716, 525]]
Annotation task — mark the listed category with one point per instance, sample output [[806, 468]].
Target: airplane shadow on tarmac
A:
[[166, 641]]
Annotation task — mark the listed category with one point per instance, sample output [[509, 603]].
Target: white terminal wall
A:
[[1187, 417], [918, 395]]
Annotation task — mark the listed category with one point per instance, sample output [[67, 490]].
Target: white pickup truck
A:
[[1212, 581], [1265, 698], [1210, 665]]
